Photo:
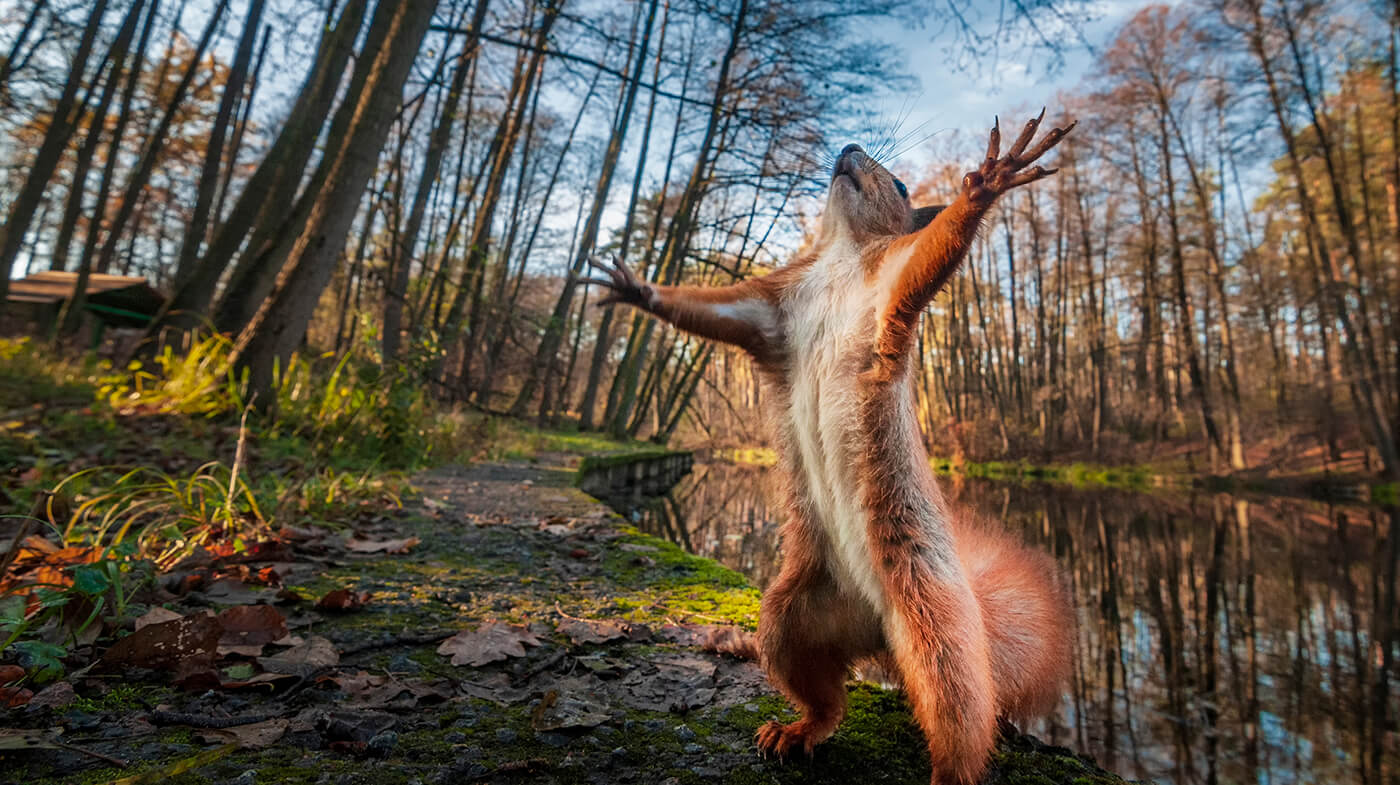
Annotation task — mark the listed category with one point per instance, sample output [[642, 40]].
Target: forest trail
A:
[[580, 657]]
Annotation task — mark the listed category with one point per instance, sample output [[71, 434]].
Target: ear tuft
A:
[[921, 217]]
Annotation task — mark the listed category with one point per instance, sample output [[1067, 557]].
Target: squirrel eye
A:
[[899, 186]]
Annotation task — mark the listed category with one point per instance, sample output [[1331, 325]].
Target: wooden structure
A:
[[34, 303]]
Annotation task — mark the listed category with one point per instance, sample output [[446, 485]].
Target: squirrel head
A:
[[866, 202]]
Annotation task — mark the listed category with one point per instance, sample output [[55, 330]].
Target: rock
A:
[[693, 748], [455, 737], [506, 735], [383, 743], [249, 777], [684, 733]]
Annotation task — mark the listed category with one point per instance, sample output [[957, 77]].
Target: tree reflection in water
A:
[[1221, 638]]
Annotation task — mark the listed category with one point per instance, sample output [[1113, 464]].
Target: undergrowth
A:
[[109, 475]]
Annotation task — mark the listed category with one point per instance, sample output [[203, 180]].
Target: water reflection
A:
[[1221, 639]]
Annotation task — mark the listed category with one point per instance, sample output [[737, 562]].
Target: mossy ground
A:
[[515, 543]]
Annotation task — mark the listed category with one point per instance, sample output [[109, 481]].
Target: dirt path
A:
[[525, 634]]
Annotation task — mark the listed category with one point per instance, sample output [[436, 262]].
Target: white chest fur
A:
[[831, 320]]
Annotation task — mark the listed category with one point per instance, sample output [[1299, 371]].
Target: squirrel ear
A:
[[921, 217]]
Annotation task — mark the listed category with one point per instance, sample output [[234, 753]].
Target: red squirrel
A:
[[875, 562]]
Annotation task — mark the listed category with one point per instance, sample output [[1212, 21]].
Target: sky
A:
[[951, 103]]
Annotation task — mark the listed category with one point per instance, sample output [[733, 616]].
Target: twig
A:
[[159, 717], [118, 762], [23, 533], [400, 640], [237, 463]]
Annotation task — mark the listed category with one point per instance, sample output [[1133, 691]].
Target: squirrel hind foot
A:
[[776, 740]]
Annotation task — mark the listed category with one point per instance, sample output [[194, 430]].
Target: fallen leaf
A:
[[253, 736], [304, 659], [247, 628], [23, 739], [678, 683], [9, 674], [381, 546], [185, 642], [491, 642], [581, 631], [156, 615], [266, 682], [54, 696], [14, 697], [342, 600]]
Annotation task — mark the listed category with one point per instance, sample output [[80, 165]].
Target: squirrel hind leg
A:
[[809, 633], [938, 643]]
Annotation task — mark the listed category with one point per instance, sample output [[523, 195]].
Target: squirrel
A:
[[875, 564]]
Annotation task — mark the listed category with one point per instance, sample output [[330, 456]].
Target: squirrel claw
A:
[[999, 174], [776, 740]]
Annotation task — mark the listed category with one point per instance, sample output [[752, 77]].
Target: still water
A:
[[1222, 639]]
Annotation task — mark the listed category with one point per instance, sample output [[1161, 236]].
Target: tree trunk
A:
[[401, 263], [62, 123], [554, 329], [155, 144], [267, 197], [280, 324], [116, 63], [213, 152]]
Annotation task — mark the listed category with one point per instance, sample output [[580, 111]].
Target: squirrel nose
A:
[[851, 148]]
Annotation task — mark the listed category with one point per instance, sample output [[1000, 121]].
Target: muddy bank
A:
[[524, 634]]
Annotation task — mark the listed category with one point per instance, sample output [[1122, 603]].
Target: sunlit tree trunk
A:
[[62, 122], [280, 324]]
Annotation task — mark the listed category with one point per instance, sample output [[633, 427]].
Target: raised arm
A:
[[742, 314], [920, 263]]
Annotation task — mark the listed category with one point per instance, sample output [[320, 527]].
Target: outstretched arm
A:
[[743, 314], [922, 262]]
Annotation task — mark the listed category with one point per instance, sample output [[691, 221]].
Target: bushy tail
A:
[[1028, 617]]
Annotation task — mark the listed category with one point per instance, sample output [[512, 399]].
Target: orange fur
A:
[[876, 565]]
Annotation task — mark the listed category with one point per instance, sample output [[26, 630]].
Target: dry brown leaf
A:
[[491, 642], [247, 628], [304, 659], [342, 600], [380, 546], [253, 736], [581, 631], [186, 642], [156, 615]]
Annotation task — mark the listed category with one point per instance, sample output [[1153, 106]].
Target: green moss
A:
[[1076, 474], [1386, 494], [668, 581], [594, 462]]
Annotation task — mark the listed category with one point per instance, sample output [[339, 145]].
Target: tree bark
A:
[[62, 123], [280, 324]]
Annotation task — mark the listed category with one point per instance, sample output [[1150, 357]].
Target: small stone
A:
[[249, 777], [684, 733], [605, 731], [705, 772], [693, 748], [383, 743], [552, 739], [401, 663], [455, 737], [653, 725], [752, 707], [618, 753], [506, 735]]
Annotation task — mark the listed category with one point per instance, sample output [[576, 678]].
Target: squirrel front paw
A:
[[625, 286], [776, 740], [999, 174]]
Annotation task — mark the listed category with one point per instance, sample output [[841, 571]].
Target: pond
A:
[[1221, 638]]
